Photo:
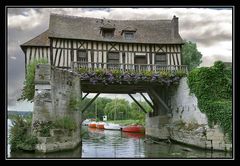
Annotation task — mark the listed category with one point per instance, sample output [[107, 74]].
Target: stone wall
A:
[[53, 88], [186, 123]]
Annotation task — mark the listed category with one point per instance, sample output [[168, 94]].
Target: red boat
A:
[[134, 129], [100, 125], [92, 125]]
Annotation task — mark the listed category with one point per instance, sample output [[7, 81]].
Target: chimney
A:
[[174, 27]]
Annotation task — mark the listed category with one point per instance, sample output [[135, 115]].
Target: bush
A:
[[20, 136], [29, 85], [213, 88], [65, 123]]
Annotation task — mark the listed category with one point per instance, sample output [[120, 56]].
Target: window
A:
[[128, 35], [113, 57], [107, 34], [82, 55], [161, 59]]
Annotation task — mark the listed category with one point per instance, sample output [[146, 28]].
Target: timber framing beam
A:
[[88, 104], [149, 103], [137, 103], [153, 92], [85, 96]]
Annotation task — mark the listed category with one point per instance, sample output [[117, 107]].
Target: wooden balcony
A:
[[92, 66]]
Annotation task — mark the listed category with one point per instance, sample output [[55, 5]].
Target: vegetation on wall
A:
[[130, 77], [29, 86], [213, 88], [20, 137], [43, 128], [190, 55]]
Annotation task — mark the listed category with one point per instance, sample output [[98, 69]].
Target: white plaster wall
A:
[[186, 104]]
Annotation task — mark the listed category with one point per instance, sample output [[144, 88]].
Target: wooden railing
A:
[[92, 66]]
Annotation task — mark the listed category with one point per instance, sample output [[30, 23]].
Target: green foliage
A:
[[118, 109], [99, 72], [20, 136], [74, 103], [116, 73], [43, 128], [213, 88], [148, 73], [180, 73], [82, 70], [190, 55], [165, 74], [29, 86], [65, 123]]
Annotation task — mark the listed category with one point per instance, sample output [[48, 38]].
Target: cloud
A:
[[26, 20], [210, 29]]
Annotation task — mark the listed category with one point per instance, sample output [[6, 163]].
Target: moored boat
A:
[[100, 125], [86, 122], [111, 126], [134, 129], [92, 125]]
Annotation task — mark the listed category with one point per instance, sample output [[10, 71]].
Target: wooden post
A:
[[150, 104], [137, 103], [85, 108]]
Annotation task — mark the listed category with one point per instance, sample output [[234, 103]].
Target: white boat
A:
[[111, 126], [86, 122]]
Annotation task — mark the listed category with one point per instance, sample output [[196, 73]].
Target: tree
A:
[[117, 109], [190, 55]]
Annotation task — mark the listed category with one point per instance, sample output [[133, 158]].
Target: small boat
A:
[[111, 126], [92, 125], [134, 129], [86, 122], [100, 125]]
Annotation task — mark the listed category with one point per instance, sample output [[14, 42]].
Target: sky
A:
[[209, 28]]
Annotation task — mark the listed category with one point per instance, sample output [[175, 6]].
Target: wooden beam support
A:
[[149, 103], [85, 96], [137, 103], [85, 108], [152, 91]]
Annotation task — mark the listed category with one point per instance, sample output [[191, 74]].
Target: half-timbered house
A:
[[107, 43]]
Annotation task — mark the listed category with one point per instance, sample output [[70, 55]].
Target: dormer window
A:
[[128, 35], [107, 33], [107, 30]]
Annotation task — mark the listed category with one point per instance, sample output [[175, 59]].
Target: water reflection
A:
[[98, 143]]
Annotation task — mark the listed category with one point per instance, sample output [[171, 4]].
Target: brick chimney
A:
[[174, 27]]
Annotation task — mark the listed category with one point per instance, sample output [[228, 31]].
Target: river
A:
[[98, 143]]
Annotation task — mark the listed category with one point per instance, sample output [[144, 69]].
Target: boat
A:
[[112, 126], [86, 122], [100, 125], [134, 129], [92, 125]]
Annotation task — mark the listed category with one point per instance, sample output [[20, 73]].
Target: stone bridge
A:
[[175, 115]]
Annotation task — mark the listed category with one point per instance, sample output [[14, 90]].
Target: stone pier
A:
[[54, 88], [183, 121]]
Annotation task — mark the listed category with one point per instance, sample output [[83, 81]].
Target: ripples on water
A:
[[98, 143]]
